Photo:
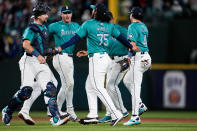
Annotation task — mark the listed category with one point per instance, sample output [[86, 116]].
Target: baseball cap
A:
[[136, 10], [66, 9], [99, 7]]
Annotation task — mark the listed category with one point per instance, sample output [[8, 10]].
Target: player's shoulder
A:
[[75, 23], [88, 23], [119, 27], [54, 24], [28, 30]]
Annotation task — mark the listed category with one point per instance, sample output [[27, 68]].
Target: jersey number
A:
[[145, 40], [103, 39]]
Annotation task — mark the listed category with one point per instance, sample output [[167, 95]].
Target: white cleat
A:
[[58, 122], [26, 118], [133, 121], [142, 109]]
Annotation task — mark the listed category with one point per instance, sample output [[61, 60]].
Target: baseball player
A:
[[63, 63], [140, 62], [119, 54], [62, 31], [33, 65], [97, 32]]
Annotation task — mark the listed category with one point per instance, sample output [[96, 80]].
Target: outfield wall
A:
[[180, 78]]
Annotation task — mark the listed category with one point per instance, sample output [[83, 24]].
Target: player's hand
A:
[[135, 47], [82, 53], [57, 50], [41, 59], [129, 59]]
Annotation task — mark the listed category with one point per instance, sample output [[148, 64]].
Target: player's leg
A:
[[129, 85], [64, 66], [24, 112], [112, 87], [136, 79], [23, 94], [98, 67], [44, 77], [46, 99], [92, 117], [92, 100]]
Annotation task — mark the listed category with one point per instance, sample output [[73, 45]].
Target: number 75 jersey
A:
[[98, 34], [138, 33]]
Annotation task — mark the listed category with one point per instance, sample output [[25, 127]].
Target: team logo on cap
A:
[[130, 35]]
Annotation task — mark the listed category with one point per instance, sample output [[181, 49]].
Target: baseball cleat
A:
[[73, 116], [142, 109], [105, 119], [125, 114], [114, 122], [6, 117], [59, 121], [26, 118], [133, 121], [88, 120]]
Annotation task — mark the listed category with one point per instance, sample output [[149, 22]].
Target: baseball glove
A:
[[124, 64]]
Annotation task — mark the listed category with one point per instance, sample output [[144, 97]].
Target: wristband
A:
[[35, 53]]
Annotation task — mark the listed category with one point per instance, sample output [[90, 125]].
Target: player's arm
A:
[[82, 31], [132, 35], [135, 47], [27, 46]]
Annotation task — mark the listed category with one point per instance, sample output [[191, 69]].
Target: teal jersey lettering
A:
[[35, 38], [97, 34], [62, 32], [116, 48], [138, 33]]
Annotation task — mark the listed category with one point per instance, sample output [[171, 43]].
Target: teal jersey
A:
[[116, 48], [97, 34], [62, 32], [35, 38], [138, 33]]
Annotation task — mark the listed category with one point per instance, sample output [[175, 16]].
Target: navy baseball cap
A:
[[66, 9], [136, 10]]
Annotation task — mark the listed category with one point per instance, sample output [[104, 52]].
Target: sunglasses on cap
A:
[[68, 12]]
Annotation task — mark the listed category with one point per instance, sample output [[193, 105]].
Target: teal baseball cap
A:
[[99, 7], [92, 7]]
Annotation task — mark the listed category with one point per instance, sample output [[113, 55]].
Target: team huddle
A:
[[113, 51]]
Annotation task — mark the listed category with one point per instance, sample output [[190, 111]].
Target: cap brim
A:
[[92, 6], [66, 11]]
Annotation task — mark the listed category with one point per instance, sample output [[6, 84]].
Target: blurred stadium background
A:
[[170, 84]]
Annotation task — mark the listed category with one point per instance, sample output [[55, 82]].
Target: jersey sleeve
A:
[[28, 35], [82, 31], [132, 34], [77, 25], [51, 29], [115, 32]]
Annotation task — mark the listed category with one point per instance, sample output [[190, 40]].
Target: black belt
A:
[[70, 55], [140, 53], [112, 57], [29, 54]]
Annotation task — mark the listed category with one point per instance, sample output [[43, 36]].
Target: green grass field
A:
[[145, 126]]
